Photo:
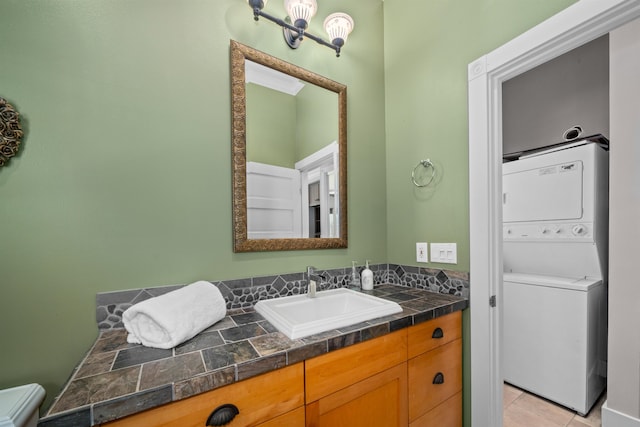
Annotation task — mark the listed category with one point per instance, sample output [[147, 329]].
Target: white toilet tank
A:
[[19, 405]]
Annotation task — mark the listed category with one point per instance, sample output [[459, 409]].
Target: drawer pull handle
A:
[[439, 378], [437, 333], [222, 415]]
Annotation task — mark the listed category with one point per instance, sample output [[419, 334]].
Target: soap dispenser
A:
[[355, 277], [367, 277]]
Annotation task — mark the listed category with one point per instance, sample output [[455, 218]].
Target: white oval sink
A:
[[299, 316]]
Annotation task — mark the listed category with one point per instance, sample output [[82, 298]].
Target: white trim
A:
[[571, 28], [613, 418], [315, 159], [270, 78], [316, 167]]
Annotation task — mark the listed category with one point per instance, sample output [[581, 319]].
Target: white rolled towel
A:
[[168, 320]]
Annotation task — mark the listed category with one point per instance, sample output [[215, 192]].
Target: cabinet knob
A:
[[222, 415], [437, 333], [439, 378]]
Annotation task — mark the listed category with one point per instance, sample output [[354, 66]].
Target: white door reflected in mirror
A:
[[274, 202], [291, 203]]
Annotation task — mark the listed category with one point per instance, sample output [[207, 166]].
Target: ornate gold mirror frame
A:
[[240, 53]]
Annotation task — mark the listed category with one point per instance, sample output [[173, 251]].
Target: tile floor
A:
[[522, 409]]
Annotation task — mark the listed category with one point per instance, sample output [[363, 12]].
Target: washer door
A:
[[545, 348]]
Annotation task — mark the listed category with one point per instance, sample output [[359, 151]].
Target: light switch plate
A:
[[421, 252], [446, 253]]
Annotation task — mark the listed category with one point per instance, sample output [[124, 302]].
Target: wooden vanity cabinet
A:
[[359, 386], [274, 399], [412, 377], [435, 372]]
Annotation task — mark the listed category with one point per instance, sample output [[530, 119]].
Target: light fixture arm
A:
[[257, 12]]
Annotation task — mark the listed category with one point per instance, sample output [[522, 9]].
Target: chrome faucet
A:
[[310, 271]]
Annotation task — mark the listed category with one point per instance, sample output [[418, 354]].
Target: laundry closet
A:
[[555, 227]]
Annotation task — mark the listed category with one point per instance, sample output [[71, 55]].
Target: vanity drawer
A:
[[434, 333], [270, 398], [434, 377]]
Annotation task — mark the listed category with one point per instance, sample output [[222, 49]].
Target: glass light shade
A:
[[338, 25], [301, 9]]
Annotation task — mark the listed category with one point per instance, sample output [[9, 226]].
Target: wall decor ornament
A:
[[10, 131]]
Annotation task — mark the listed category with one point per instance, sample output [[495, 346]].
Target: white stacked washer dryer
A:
[[555, 229]]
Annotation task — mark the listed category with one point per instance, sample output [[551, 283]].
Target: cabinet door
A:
[[380, 400], [294, 418], [341, 368], [434, 377], [258, 399]]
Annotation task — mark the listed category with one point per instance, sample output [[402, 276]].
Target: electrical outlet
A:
[[446, 253], [421, 252]]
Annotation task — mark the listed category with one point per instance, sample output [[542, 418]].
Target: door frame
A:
[[314, 168], [580, 23]]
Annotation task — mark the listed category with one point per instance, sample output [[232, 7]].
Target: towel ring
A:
[[425, 164]]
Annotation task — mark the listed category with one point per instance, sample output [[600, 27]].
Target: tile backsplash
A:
[[242, 293]]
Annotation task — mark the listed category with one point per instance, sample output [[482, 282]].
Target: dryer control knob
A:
[[578, 230]]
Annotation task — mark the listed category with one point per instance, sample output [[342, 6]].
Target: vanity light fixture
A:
[[294, 26]]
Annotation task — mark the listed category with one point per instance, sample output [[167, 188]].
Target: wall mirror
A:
[[289, 153]]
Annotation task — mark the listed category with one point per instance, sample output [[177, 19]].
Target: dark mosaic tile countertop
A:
[[117, 379]]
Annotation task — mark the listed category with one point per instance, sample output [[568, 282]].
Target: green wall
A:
[[270, 126], [124, 180], [317, 120], [283, 129], [428, 46]]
